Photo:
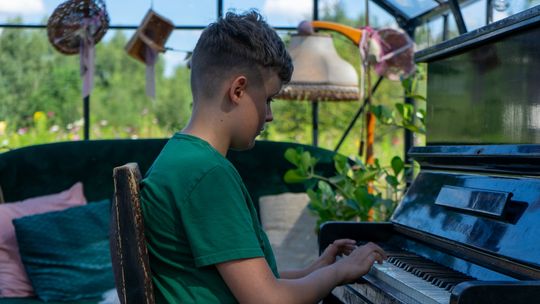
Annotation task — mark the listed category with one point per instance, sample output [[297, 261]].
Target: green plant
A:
[[362, 192], [43, 130], [357, 192], [405, 115]]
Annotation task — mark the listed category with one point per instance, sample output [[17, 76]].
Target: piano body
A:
[[468, 228]]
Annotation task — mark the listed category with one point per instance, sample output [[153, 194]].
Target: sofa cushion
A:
[[13, 279], [66, 253]]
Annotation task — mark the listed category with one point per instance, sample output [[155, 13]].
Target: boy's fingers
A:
[[343, 245], [375, 257], [377, 249], [379, 258], [342, 242]]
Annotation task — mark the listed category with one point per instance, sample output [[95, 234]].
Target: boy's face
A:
[[256, 109]]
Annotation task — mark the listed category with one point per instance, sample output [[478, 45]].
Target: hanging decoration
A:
[[501, 5], [390, 52], [147, 42], [75, 27]]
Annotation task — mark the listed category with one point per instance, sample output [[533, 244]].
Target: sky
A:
[[201, 12]]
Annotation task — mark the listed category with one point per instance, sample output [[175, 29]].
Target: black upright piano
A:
[[468, 228]]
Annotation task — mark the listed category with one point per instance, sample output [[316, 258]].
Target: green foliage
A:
[[405, 115], [357, 192], [36, 78], [43, 130]]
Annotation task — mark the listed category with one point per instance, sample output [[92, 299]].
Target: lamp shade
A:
[[319, 73]]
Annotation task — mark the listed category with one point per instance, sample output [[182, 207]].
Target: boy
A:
[[204, 238]]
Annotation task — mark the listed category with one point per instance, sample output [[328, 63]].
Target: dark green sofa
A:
[[50, 168]]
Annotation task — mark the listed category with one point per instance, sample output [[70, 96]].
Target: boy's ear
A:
[[238, 88]]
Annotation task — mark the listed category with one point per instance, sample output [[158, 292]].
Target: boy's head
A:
[[238, 65], [237, 43]]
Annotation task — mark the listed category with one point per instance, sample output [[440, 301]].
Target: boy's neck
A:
[[210, 129]]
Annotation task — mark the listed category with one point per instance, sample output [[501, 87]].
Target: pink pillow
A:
[[13, 279]]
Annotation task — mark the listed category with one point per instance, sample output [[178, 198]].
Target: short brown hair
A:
[[237, 41]]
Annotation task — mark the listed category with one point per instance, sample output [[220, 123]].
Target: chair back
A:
[[128, 245]]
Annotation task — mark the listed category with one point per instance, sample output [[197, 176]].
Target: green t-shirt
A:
[[197, 213]]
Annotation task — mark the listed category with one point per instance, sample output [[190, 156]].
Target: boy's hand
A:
[[359, 262], [338, 247]]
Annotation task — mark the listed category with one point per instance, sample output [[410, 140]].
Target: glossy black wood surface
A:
[[492, 236], [483, 86], [507, 159], [511, 235], [514, 236], [479, 292], [389, 234], [488, 95]]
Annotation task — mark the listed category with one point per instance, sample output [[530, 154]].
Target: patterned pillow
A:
[[13, 279], [66, 253]]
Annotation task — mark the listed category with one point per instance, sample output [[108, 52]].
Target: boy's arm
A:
[[252, 281]]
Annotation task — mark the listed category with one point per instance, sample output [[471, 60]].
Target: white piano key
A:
[[409, 284]]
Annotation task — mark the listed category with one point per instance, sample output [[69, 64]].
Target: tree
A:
[[29, 78]]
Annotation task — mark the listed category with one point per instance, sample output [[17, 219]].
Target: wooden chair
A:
[[128, 245]]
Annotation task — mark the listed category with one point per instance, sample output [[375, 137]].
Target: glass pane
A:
[[199, 12], [276, 12], [469, 85], [414, 7], [452, 27], [380, 17], [181, 42], [430, 33], [474, 15], [354, 12], [505, 8]]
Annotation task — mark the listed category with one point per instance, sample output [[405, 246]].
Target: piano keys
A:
[[412, 278]]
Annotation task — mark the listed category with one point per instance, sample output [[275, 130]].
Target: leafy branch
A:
[[355, 192], [405, 115]]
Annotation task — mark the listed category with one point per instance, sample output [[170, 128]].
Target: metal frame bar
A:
[[443, 7], [489, 11], [456, 11], [408, 135], [401, 18], [219, 8], [445, 27], [357, 115], [130, 27], [315, 103]]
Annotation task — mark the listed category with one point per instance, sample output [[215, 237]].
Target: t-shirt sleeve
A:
[[217, 220]]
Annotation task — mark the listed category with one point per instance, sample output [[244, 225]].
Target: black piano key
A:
[[450, 282], [441, 276], [421, 272]]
